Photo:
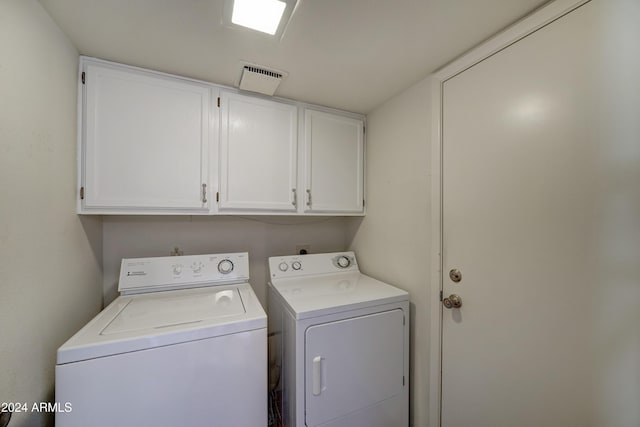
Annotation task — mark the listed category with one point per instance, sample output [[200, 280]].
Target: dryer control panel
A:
[[138, 275], [313, 264]]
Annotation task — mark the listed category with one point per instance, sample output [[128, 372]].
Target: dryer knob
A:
[[344, 262], [283, 266], [225, 266], [296, 265]]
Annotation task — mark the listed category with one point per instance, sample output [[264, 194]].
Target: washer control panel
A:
[[139, 275], [312, 264]]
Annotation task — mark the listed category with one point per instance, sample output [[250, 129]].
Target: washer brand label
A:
[[136, 273]]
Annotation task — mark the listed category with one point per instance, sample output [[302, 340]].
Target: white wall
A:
[[393, 241], [50, 277], [262, 237]]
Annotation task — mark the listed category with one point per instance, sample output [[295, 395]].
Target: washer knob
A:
[[296, 265], [196, 267], [225, 266], [283, 266], [344, 262]]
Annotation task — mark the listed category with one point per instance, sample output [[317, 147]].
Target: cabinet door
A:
[[145, 141], [257, 154], [334, 163]]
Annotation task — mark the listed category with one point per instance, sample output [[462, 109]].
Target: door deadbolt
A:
[[452, 301], [455, 275]]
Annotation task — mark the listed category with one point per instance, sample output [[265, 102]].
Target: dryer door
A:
[[353, 363]]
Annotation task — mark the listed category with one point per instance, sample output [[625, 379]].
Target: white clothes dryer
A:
[[340, 344], [184, 345]]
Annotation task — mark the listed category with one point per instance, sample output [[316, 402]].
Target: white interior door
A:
[[541, 216]]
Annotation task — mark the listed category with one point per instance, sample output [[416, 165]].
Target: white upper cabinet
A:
[[258, 154], [153, 143], [144, 141], [334, 163]]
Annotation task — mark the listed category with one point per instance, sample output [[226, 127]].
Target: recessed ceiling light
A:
[[260, 15], [267, 16]]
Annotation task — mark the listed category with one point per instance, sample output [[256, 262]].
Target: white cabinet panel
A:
[[145, 141], [334, 147], [352, 364], [258, 154]]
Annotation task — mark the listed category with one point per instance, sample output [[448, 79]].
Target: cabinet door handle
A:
[[204, 193], [295, 197], [308, 197]]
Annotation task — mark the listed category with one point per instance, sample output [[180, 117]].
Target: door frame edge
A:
[[534, 21]]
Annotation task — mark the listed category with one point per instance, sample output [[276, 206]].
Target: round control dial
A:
[[296, 265], [343, 262], [225, 266], [283, 266]]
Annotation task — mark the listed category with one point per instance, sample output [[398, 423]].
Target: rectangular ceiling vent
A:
[[260, 79]]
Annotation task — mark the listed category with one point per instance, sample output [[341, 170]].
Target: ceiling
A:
[[346, 54]]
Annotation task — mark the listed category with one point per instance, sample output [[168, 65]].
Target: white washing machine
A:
[[184, 345], [339, 353]]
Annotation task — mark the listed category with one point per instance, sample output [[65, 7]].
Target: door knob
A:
[[452, 301]]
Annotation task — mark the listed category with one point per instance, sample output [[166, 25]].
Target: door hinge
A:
[[403, 380], [363, 203], [83, 77], [364, 129], [441, 295], [81, 193], [218, 101], [403, 320], [217, 196]]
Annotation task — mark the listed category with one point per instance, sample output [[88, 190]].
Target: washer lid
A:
[[170, 309], [313, 296], [145, 321]]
